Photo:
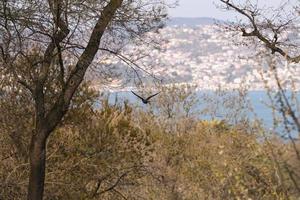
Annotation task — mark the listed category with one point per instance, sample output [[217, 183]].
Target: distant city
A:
[[198, 51]]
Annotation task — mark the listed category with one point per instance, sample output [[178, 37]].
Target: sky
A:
[[207, 8]]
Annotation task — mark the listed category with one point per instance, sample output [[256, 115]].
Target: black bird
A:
[[147, 100]]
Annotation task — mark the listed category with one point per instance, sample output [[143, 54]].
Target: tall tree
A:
[[275, 29], [54, 42]]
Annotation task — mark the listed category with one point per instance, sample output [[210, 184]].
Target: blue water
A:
[[258, 101]]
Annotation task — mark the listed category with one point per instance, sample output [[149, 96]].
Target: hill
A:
[[190, 22], [205, 55]]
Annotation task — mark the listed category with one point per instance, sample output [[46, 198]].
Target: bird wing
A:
[[138, 95], [152, 96]]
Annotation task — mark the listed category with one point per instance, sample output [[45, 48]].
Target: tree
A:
[[268, 28], [274, 30], [48, 46], [103, 145]]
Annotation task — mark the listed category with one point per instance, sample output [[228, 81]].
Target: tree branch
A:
[[86, 58], [115, 184], [271, 44], [130, 63]]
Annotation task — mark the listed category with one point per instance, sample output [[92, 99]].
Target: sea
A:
[[256, 105]]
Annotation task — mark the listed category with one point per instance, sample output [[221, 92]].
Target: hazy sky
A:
[[207, 8]]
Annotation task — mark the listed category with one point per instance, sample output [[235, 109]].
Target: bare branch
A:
[[130, 63], [272, 44], [86, 58], [115, 184]]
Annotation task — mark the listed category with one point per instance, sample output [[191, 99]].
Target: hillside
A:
[[205, 55], [190, 22]]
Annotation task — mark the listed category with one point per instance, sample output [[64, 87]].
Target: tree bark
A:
[[46, 122], [37, 156]]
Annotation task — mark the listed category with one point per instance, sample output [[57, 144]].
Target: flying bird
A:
[[147, 100]]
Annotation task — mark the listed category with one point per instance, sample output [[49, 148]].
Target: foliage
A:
[[272, 33], [49, 46], [121, 152]]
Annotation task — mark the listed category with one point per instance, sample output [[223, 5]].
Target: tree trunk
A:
[[37, 155], [46, 123]]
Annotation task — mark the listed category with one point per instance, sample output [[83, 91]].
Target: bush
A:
[[121, 152]]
